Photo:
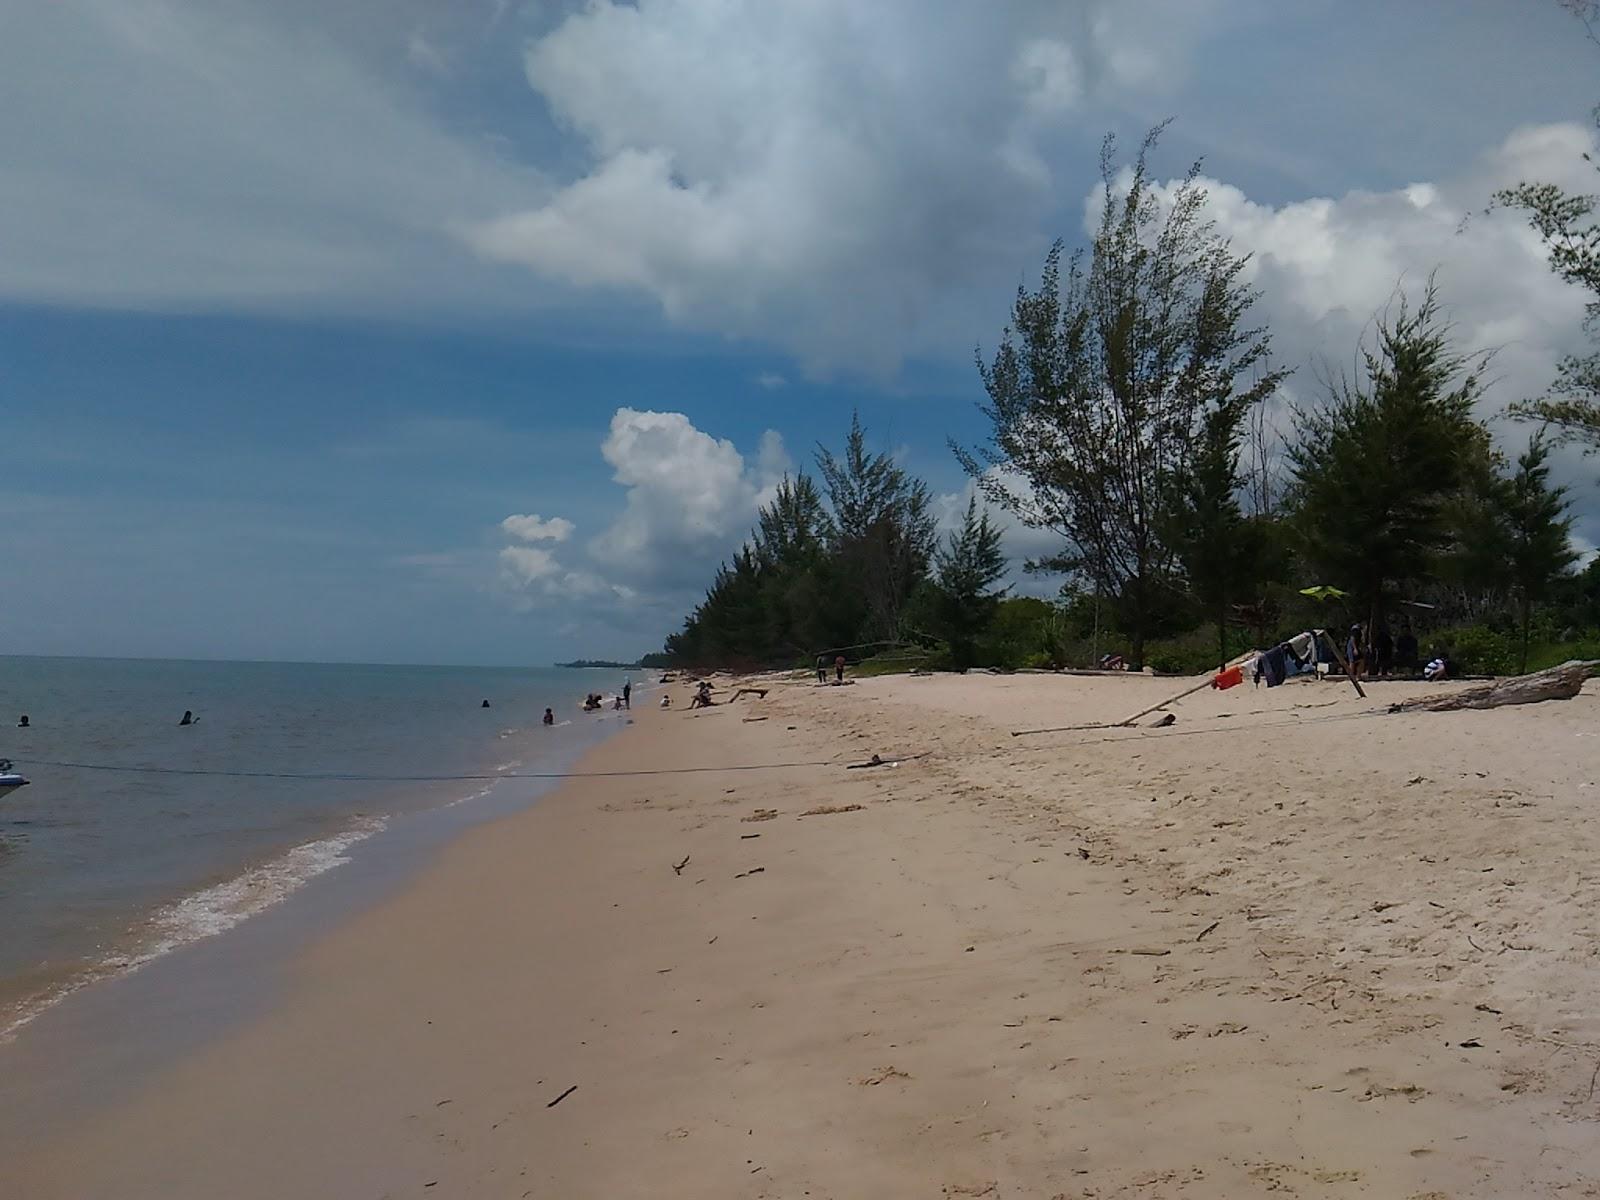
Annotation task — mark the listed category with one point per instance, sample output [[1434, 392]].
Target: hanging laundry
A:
[[1273, 666]]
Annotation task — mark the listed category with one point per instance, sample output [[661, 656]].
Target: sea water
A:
[[104, 868]]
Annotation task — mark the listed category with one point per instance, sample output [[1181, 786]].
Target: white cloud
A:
[[691, 500], [233, 154], [532, 528], [1329, 266], [529, 564], [823, 175], [1046, 71], [771, 381]]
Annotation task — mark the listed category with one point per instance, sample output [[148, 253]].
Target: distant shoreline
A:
[[584, 663]]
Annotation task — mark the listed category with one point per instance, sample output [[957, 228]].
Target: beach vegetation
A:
[[1106, 382]]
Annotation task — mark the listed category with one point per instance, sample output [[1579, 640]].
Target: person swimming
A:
[[188, 718], [549, 717], [22, 722], [485, 704]]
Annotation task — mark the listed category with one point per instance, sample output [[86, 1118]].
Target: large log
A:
[[1555, 683]]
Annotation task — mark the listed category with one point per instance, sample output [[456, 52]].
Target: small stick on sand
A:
[[1207, 930], [677, 868], [562, 1097]]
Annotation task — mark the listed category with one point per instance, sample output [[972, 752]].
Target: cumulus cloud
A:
[[690, 501], [1328, 266], [691, 497], [810, 174], [532, 528], [529, 564]]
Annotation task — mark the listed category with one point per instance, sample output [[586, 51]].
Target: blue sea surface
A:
[[105, 869]]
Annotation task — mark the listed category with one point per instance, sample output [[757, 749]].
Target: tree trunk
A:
[[1222, 633], [1556, 683], [1527, 620]]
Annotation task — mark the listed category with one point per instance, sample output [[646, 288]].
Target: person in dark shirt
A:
[[1405, 650], [1382, 649]]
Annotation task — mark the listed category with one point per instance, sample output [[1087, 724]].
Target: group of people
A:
[[1378, 652], [594, 701], [822, 668]]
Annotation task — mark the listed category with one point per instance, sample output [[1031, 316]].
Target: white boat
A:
[[10, 780]]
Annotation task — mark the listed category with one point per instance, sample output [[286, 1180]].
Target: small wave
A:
[[480, 793], [209, 912]]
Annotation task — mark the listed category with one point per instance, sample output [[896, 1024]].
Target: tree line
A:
[[1133, 407]]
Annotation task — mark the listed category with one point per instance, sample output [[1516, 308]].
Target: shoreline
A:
[[1226, 959], [245, 927]]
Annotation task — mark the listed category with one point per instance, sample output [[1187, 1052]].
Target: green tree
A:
[[1377, 466], [1100, 386], [1216, 547], [1539, 548], [966, 570], [883, 528], [1565, 223]]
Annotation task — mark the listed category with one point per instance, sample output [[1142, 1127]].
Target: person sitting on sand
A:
[[549, 717], [666, 702], [702, 696], [617, 704]]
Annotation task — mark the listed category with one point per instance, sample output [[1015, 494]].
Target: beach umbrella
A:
[[1323, 592]]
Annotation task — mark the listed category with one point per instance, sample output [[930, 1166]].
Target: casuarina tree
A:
[[1377, 465], [1539, 550], [1102, 384], [883, 527], [966, 569]]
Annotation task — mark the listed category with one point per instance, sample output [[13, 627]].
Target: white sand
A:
[[938, 994]]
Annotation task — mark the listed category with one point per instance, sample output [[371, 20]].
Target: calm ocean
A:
[[104, 870]]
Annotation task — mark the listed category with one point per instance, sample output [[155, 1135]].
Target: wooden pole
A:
[[1143, 712], [1339, 658]]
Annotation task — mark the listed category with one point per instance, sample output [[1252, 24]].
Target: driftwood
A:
[[1555, 683]]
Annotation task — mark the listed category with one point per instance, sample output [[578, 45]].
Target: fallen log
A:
[[1554, 683]]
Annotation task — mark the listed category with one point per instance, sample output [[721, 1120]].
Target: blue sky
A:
[[299, 306]]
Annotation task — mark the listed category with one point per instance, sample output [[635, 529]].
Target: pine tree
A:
[[1376, 467], [966, 570], [1539, 548], [883, 528], [1100, 385], [1216, 546]]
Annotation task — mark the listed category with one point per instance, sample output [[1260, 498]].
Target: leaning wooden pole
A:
[[1145, 712], [1344, 666]]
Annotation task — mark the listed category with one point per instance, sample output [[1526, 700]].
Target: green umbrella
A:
[[1323, 592]]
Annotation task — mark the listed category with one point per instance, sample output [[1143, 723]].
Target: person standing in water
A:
[[549, 717], [627, 693], [188, 718]]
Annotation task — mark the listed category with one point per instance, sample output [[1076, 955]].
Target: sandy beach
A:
[[1290, 945]]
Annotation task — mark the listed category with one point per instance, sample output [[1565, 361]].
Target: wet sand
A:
[[1284, 947]]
